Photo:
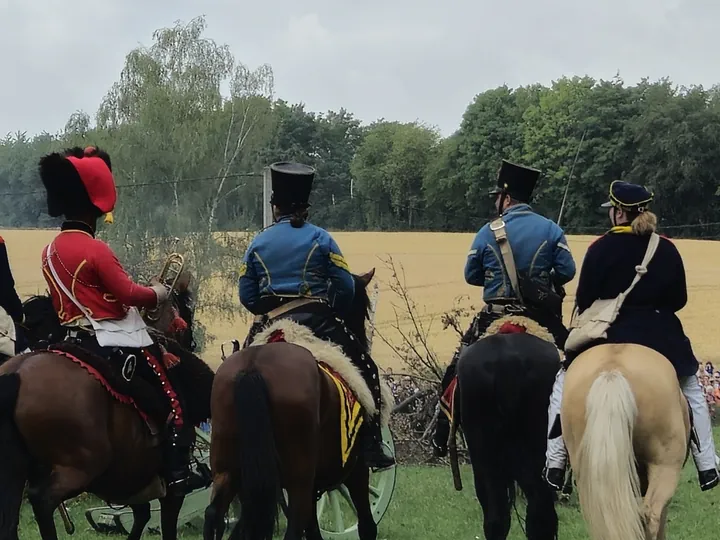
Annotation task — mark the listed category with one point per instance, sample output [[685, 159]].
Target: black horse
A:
[[504, 386]]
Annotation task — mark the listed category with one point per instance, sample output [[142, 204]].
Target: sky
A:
[[400, 60]]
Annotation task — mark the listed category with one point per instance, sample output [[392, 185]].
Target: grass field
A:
[[433, 264], [425, 506]]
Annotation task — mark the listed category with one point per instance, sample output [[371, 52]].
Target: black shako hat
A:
[[516, 180], [627, 196], [291, 184]]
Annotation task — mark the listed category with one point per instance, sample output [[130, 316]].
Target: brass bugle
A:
[[169, 275]]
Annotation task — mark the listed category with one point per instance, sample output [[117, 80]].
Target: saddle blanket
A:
[[355, 395], [512, 324], [351, 417], [100, 369]]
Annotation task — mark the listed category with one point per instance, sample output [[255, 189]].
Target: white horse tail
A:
[[607, 477]]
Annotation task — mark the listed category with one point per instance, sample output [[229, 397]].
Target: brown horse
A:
[[627, 436], [276, 425], [63, 434]]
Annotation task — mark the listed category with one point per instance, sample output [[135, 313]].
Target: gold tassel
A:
[[109, 218]]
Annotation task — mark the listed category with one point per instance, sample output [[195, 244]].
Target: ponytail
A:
[[644, 224], [298, 217]]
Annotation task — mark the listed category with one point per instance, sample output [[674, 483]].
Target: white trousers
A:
[[704, 457], [556, 455]]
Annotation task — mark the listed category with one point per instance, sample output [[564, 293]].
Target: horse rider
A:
[[90, 291], [544, 265], [647, 316], [11, 305], [298, 265]]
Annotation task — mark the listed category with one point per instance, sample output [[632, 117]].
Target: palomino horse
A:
[[277, 424], [64, 434], [504, 381], [626, 425]]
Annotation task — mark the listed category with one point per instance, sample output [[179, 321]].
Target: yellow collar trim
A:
[[621, 229]]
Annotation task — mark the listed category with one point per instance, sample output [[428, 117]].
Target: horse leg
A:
[[141, 517], [492, 483], [312, 532], [222, 496], [358, 485], [301, 502], [170, 507], [47, 489], [662, 483], [540, 516]]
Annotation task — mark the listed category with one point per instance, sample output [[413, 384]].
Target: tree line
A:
[[189, 155]]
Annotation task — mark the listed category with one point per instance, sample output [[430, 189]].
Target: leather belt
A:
[[502, 308], [282, 310]]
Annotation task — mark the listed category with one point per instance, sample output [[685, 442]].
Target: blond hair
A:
[[644, 224]]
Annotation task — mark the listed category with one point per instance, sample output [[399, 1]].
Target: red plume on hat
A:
[[78, 180]]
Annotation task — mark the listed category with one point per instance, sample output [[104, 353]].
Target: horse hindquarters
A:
[[13, 466]]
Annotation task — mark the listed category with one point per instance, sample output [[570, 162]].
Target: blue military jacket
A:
[[295, 262], [538, 246]]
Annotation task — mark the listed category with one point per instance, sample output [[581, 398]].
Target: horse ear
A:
[[183, 282], [366, 278]]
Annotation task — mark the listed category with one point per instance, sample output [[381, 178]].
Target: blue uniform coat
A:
[[539, 247], [294, 262]]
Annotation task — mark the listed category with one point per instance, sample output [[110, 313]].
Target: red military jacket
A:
[[91, 271]]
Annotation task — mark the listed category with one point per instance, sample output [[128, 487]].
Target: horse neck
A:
[[355, 321]]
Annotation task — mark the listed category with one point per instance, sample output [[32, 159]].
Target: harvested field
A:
[[433, 264]]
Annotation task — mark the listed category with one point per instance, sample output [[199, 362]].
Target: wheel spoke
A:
[[346, 495], [337, 512], [321, 505]]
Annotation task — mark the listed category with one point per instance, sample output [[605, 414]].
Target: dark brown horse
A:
[[63, 434], [276, 425]]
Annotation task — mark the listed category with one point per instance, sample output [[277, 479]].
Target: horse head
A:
[[175, 317], [359, 311]]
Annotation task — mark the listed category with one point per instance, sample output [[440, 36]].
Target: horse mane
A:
[[194, 375], [359, 311], [185, 305]]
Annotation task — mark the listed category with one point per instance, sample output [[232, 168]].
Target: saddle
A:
[[115, 371]]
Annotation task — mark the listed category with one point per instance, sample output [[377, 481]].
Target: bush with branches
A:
[[416, 386]]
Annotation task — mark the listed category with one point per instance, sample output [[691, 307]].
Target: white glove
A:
[[161, 292]]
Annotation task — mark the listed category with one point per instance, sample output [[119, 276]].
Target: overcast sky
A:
[[398, 59]]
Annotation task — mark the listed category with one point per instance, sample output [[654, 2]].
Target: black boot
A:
[[555, 478], [708, 479], [180, 479], [374, 449]]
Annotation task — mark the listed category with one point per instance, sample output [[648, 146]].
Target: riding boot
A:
[[704, 456], [177, 456], [556, 455], [374, 450]]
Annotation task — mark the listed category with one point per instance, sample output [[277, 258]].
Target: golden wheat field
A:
[[433, 266]]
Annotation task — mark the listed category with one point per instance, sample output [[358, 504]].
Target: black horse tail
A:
[[259, 471], [13, 465]]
